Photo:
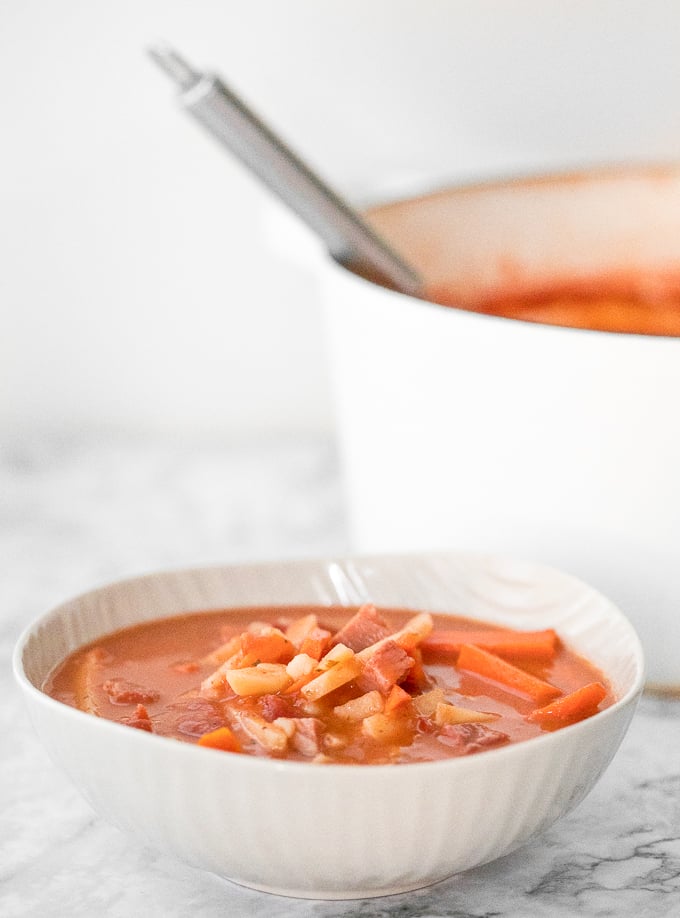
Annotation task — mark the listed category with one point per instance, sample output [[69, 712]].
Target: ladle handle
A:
[[348, 237]]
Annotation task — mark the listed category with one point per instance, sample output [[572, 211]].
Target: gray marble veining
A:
[[79, 512]]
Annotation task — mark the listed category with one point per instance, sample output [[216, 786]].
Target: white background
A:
[[138, 288]]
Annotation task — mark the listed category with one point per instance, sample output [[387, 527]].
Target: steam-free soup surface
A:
[[336, 685]]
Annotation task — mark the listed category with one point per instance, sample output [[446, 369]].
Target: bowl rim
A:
[[460, 763]]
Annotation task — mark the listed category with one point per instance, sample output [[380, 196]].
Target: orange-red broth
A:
[[163, 657]]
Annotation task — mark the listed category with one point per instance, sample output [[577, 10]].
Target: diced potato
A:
[[426, 704], [332, 678], [446, 713], [384, 728], [311, 708], [363, 706], [335, 655], [333, 741], [301, 665], [269, 736], [287, 724], [259, 680]]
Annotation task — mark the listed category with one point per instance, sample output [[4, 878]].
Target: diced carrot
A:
[[271, 647], [222, 738], [523, 645], [396, 698], [476, 660], [316, 643], [573, 707]]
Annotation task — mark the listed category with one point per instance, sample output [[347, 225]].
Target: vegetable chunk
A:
[[258, 680], [575, 706], [446, 713], [475, 660], [222, 738], [518, 645], [331, 679]]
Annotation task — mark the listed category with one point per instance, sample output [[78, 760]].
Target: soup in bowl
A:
[[175, 734]]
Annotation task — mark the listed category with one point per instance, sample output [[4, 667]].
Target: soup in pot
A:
[[643, 305]]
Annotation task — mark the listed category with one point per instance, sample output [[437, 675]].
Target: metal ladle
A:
[[350, 240]]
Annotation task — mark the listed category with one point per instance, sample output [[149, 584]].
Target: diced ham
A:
[[273, 706], [121, 691], [364, 628], [383, 669], [468, 738], [417, 680], [306, 733], [140, 719]]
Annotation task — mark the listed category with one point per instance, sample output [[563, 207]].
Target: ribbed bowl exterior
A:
[[335, 831]]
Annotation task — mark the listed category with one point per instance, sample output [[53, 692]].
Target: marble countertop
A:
[[77, 513]]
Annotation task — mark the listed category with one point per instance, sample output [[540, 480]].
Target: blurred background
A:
[[164, 389], [140, 286]]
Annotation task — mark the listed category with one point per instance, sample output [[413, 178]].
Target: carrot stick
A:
[[222, 738], [476, 660], [573, 707], [522, 645]]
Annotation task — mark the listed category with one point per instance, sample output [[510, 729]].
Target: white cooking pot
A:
[[463, 430]]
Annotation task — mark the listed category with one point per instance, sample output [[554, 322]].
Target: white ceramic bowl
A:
[[336, 831]]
